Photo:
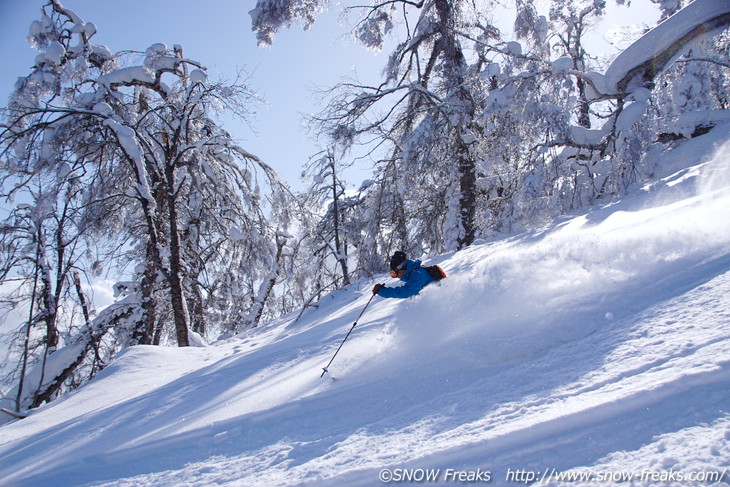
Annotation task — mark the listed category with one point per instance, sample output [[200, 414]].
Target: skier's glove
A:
[[377, 288]]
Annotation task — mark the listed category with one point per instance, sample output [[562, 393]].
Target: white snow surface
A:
[[598, 346]]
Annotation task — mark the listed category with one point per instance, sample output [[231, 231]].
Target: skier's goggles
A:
[[393, 273]]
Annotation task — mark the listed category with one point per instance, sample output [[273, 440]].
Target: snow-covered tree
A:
[[45, 153], [570, 21], [478, 133], [427, 110], [197, 189], [270, 16], [115, 163], [559, 134], [331, 207]]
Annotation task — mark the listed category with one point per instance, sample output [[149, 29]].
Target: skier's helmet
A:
[[398, 261]]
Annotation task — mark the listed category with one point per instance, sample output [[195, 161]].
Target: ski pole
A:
[[348, 334]]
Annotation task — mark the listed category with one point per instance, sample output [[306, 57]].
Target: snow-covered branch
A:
[[640, 63]]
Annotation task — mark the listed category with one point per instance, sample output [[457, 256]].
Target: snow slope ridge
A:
[[598, 346]]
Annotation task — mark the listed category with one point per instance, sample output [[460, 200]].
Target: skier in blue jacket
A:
[[408, 271]]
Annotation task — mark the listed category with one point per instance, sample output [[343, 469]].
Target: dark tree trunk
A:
[[179, 309]]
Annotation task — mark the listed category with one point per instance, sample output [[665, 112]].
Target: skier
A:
[[408, 271], [415, 276]]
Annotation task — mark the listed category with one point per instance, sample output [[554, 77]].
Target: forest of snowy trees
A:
[[116, 165]]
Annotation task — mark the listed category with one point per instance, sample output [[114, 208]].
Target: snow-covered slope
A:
[[599, 346]]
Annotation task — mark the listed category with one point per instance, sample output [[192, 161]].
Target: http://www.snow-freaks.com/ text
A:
[[548, 476]]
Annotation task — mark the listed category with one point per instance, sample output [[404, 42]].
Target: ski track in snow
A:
[[600, 344]]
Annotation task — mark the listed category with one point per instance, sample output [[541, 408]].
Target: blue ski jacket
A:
[[415, 278]]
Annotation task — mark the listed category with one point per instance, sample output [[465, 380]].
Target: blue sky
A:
[[218, 34]]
